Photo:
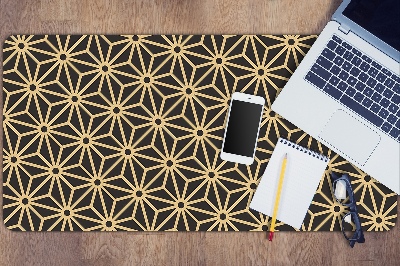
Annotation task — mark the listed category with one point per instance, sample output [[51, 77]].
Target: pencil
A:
[[277, 198]]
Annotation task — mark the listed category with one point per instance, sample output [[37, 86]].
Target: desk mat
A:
[[124, 133]]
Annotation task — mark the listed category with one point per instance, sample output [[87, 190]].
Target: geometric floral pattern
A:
[[124, 133]]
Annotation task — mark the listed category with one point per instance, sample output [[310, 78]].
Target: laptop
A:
[[346, 91]]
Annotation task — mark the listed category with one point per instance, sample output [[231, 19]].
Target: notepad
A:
[[304, 171]]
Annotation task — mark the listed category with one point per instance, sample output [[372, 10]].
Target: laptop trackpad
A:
[[350, 136]]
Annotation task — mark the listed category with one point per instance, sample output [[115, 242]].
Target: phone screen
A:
[[242, 130]]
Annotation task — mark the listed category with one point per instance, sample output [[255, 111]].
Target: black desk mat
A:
[[124, 133]]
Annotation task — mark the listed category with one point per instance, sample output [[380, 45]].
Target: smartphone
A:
[[242, 128]]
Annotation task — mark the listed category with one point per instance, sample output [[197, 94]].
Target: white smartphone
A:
[[242, 128]]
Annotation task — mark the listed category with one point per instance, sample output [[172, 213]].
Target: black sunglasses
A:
[[352, 218]]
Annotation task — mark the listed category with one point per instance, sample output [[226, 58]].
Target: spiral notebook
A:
[[304, 170]]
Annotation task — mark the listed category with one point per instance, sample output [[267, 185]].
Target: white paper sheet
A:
[[304, 170]]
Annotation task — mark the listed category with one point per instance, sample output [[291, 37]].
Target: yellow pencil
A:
[[277, 198]]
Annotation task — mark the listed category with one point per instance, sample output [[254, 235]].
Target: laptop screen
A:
[[379, 17]]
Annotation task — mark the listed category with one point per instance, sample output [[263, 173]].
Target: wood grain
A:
[[172, 248]]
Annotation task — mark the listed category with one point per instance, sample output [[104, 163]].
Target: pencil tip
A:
[[285, 155]]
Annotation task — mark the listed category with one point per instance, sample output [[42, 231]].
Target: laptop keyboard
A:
[[360, 83]]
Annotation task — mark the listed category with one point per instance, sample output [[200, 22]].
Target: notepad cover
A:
[[304, 170]]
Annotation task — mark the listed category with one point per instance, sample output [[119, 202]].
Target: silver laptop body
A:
[[346, 91]]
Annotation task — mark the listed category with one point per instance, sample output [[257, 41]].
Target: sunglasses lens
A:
[[348, 225], [341, 193]]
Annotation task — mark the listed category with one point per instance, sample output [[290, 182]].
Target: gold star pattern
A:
[[123, 133]]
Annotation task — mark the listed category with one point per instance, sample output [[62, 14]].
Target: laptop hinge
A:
[[344, 28]]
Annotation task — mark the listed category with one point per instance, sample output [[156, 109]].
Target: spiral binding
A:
[[305, 150]]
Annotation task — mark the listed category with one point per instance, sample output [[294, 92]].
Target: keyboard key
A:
[[368, 92], [373, 72], [396, 78], [371, 82], [355, 71], [376, 65], [383, 113], [360, 86], [343, 75], [366, 58], [356, 61], [394, 132], [348, 55], [346, 45], [332, 44], [397, 123], [367, 102], [321, 72], [363, 77], [342, 86], [332, 91], [386, 127], [350, 91], [361, 110], [338, 61], [351, 81], [346, 66], [359, 97], [376, 97], [386, 71], [340, 50], [389, 83], [375, 108], [396, 99], [396, 88], [334, 80], [328, 54], [379, 88], [388, 93], [385, 102], [391, 119], [381, 77], [325, 63], [314, 79], [335, 70], [355, 51], [337, 39], [393, 108], [364, 66]]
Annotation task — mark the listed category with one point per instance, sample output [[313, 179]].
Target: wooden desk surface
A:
[[195, 248]]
